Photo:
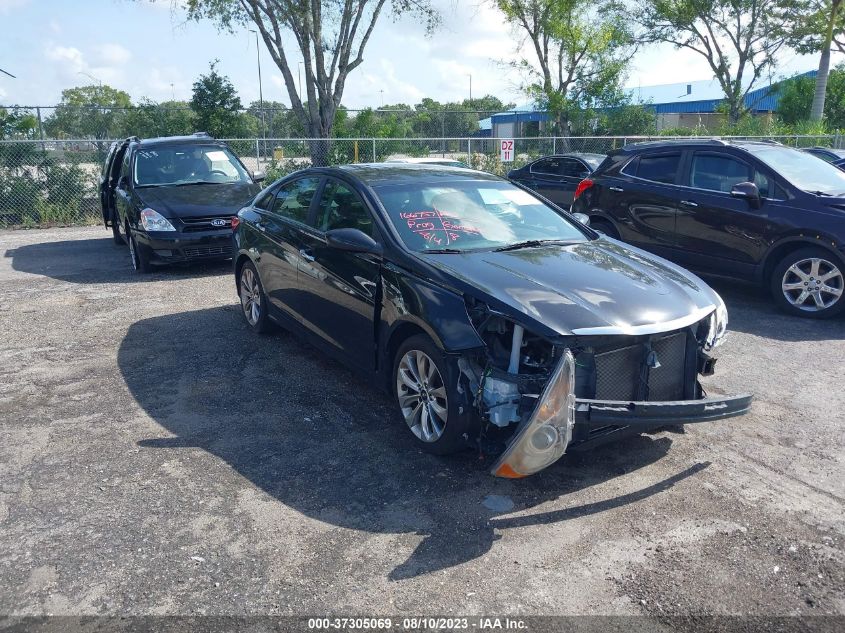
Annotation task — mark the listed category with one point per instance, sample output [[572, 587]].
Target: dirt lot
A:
[[158, 458]]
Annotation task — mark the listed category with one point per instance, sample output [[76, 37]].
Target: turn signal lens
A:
[[582, 187], [544, 438], [153, 221]]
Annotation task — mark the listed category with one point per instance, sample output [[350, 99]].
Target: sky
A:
[[149, 50]]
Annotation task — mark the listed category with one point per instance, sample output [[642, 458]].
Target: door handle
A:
[[616, 189], [689, 203], [308, 257], [260, 226]]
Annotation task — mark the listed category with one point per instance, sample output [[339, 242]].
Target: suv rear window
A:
[[657, 168]]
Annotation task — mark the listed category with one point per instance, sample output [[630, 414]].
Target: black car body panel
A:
[[557, 176], [614, 305], [709, 231], [200, 213]]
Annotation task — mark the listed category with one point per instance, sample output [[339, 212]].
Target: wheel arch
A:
[[787, 245]]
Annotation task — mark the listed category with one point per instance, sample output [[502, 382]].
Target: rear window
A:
[[656, 168]]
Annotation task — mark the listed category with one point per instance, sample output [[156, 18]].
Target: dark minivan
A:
[[754, 211], [556, 177], [172, 199]]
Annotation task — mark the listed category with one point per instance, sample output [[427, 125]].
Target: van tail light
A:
[[235, 221], [582, 187]]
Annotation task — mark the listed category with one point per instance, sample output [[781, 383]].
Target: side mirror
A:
[[353, 241], [123, 183], [747, 191], [258, 175], [583, 218]]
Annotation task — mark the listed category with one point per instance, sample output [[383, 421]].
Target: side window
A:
[[124, 166], [549, 166], [294, 199], [764, 185], [573, 168], [341, 208], [718, 172], [657, 168], [265, 202]]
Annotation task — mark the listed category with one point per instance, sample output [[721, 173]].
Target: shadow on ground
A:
[[752, 310], [97, 261], [330, 445]]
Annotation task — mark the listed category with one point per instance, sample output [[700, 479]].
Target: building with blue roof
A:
[[686, 104]]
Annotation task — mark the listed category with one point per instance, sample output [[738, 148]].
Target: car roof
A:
[[423, 161], [635, 148], [199, 138], [392, 173], [575, 155]]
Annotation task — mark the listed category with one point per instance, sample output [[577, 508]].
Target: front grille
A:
[[619, 372], [193, 225], [207, 251]]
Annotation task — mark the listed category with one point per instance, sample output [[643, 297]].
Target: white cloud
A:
[[6, 6], [107, 54]]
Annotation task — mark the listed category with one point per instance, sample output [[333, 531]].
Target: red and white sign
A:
[[506, 150]]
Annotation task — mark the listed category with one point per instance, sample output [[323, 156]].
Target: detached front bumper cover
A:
[[542, 439]]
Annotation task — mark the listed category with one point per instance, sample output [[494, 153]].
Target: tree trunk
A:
[[817, 110]]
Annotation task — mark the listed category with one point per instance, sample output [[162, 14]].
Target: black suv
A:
[[754, 211], [172, 199]]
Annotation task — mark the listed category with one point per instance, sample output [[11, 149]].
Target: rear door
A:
[[281, 225], [715, 231], [123, 187], [572, 172], [339, 288], [643, 199], [547, 180]]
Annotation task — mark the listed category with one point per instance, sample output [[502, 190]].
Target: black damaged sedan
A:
[[483, 310]]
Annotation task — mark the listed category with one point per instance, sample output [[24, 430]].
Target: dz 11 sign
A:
[[506, 150]]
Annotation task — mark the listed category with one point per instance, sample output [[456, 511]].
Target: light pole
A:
[[382, 97], [470, 87], [260, 92]]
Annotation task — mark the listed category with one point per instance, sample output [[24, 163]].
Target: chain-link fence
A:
[[56, 182]]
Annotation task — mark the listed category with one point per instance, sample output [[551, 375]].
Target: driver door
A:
[[339, 288]]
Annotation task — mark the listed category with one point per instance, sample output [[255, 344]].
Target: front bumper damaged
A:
[[559, 418]]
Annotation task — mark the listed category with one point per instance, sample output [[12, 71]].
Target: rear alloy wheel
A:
[[253, 299], [810, 282], [138, 254], [427, 397]]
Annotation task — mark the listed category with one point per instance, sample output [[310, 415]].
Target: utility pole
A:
[[260, 92]]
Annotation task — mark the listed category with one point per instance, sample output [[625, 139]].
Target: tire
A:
[[810, 283], [138, 254], [603, 226], [423, 416], [115, 230], [254, 302]]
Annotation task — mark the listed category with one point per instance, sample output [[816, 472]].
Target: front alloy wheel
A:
[[422, 396], [811, 283], [253, 299]]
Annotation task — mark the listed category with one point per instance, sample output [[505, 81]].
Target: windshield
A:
[[186, 164], [805, 171], [468, 215]]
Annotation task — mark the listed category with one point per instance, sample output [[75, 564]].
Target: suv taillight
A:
[[582, 187]]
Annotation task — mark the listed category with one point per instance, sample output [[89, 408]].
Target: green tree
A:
[[89, 112], [330, 37], [737, 38], [216, 106], [581, 51], [816, 26], [169, 118], [796, 99]]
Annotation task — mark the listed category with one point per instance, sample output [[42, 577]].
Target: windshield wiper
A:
[[822, 193], [198, 182], [440, 251], [527, 244]]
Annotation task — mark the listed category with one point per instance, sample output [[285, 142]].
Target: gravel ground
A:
[[158, 458]]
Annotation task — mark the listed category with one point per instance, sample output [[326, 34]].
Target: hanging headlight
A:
[[543, 440], [718, 326], [154, 221]]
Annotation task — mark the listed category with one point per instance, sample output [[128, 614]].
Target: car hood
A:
[[187, 201], [596, 287]]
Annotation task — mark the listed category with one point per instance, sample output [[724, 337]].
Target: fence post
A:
[[554, 145], [257, 155], [469, 149], [40, 128], [374, 149], [443, 133]]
